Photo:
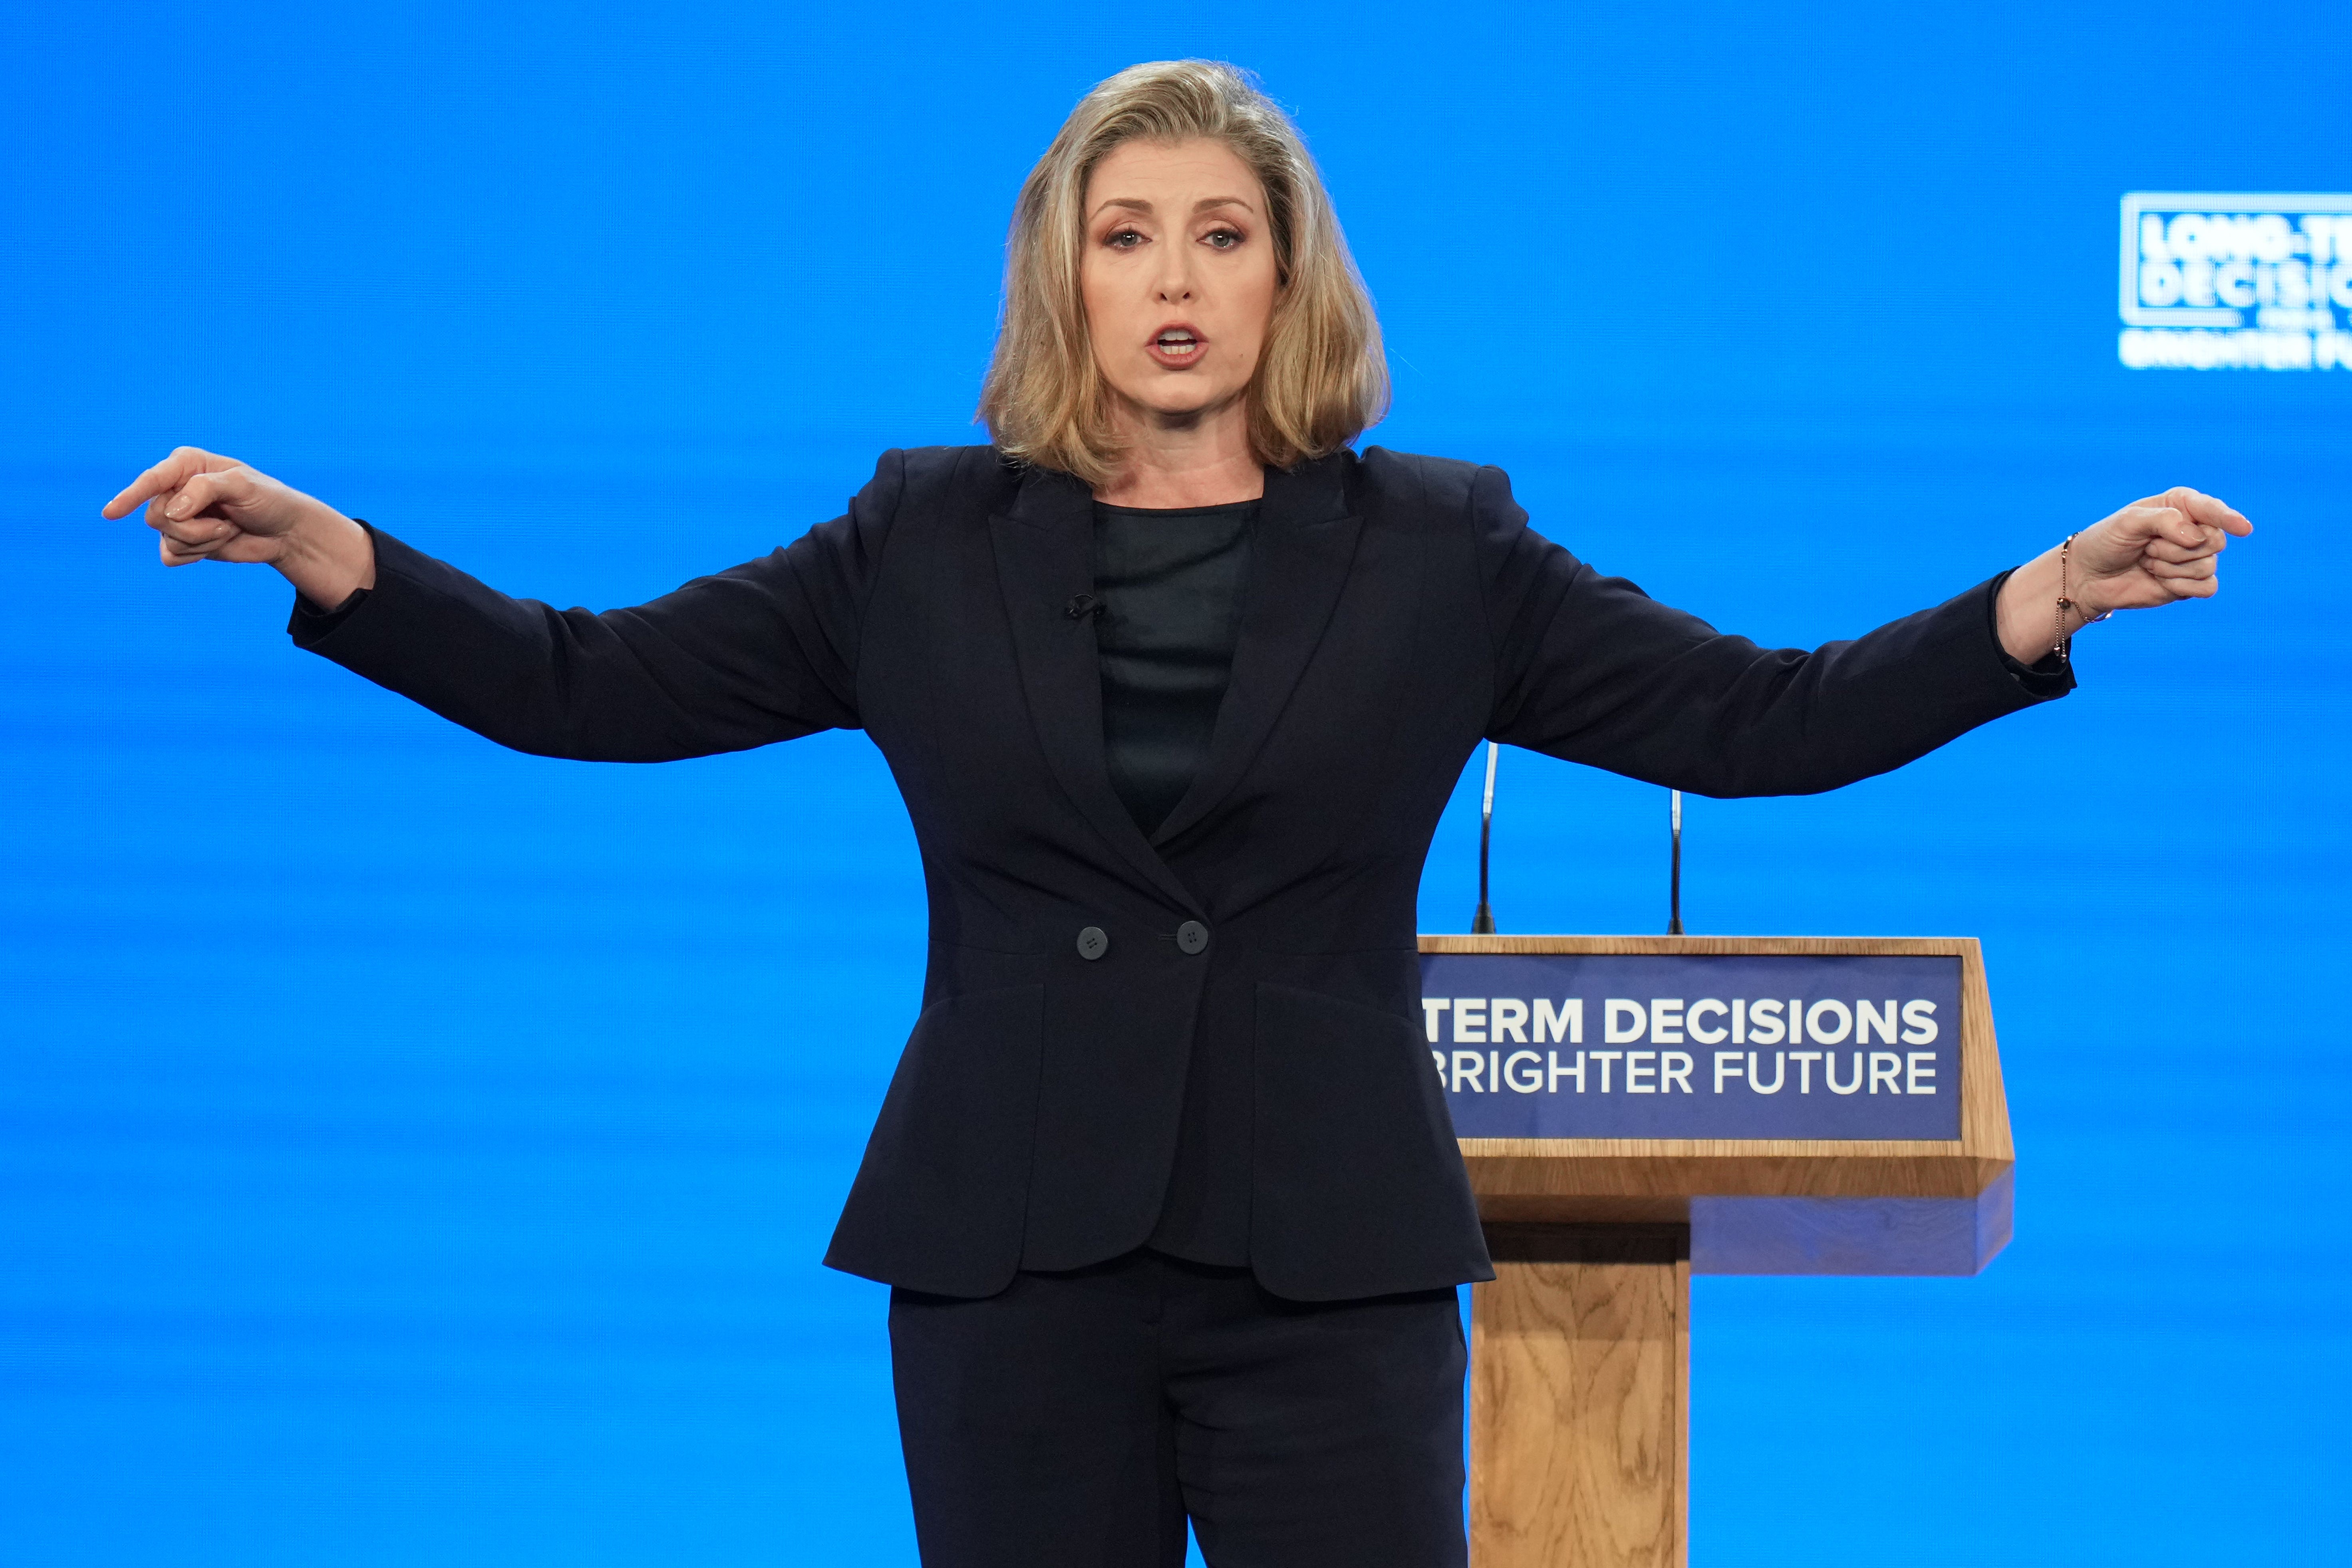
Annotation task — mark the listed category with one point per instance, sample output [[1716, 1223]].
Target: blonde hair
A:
[[1322, 378]]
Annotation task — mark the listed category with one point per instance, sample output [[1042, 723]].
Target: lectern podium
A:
[[1633, 1110]]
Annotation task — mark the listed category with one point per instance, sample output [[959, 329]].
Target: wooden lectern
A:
[[1614, 1179]]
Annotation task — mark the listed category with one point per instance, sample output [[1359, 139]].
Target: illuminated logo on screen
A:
[[2237, 282]]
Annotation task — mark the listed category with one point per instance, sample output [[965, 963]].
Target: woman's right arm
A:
[[763, 652]]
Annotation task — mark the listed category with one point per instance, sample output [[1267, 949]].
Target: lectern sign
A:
[[1695, 1045]]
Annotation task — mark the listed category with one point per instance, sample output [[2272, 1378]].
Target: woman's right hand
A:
[[208, 507]]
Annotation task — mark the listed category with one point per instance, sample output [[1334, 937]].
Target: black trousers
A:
[[1075, 1420]]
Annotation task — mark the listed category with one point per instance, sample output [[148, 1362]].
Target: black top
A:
[[1169, 585]]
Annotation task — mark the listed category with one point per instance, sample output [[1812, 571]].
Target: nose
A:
[[1174, 284]]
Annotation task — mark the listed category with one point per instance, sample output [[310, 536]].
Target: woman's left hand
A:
[[2151, 553]]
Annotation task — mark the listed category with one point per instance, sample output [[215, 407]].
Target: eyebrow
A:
[[1206, 203]]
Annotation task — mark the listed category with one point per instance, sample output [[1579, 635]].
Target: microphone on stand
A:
[[1675, 876], [1483, 922]]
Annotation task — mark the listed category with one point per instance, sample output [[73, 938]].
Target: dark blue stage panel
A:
[[1685, 1045]]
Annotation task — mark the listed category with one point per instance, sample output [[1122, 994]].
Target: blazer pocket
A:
[[1359, 1185], [940, 1196]]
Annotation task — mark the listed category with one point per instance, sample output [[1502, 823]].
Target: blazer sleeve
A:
[[1591, 670], [765, 651]]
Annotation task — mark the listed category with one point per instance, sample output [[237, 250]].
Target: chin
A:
[[1185, 402]]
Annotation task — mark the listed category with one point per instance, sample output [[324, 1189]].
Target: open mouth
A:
[[1176, 345]]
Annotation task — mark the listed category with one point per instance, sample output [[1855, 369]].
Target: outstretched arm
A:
[[763, 652], [1591, 668]]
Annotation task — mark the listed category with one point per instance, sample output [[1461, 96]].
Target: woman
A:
[[1175, 685]]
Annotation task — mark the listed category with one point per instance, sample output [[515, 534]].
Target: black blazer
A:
[[1397, 610]]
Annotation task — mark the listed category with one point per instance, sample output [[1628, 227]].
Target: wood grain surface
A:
[[1580, 1398], [1580, 1376]]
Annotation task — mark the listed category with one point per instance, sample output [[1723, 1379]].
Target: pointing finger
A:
[[162, 479], [2210, 511]]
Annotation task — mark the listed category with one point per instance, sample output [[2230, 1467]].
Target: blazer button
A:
[[1093, 943], [1192, 936]]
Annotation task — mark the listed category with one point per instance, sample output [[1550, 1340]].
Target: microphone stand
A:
[[1483, 922], [1675, 876]]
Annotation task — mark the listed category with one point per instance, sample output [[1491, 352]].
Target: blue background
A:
[[413, 1154]]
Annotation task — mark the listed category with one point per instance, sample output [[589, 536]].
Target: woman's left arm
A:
[[1589, 669], [2152, 553]]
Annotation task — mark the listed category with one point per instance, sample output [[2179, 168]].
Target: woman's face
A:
[[1177, 275]]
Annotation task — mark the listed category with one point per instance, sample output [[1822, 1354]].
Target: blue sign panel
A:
[[1695, 1046]]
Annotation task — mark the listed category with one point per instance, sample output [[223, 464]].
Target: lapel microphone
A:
[[1081, 605]]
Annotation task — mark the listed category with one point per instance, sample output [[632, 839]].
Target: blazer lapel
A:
[[1298, 560], [1045, 558]]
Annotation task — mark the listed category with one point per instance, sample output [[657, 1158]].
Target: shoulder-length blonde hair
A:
[[1322, 378]]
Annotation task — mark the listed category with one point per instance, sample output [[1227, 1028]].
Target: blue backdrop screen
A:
[[414, 1152]]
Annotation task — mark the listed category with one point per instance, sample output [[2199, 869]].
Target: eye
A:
[[1123, 238], [1221, 239]]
